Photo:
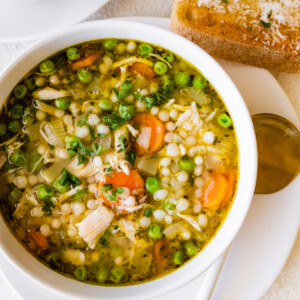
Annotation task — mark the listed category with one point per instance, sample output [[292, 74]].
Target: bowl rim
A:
[[247, 161]]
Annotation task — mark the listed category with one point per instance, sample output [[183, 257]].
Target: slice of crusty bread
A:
[[262, 33]]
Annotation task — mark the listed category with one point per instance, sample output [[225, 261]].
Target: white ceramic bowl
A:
[[11, 248]]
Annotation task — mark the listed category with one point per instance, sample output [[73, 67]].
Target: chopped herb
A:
[[250, 28], [51, 147], [154, 156], [270, 13], [114, 191], [225, 1], [121, 140], [97, 149], [82, 121], [92, 132], [198, 106], [82, 159], [67, 177], [109, 170], [150, 102], [101, 135], [148, 212], [266, 25], [104, 240], [130, 156], [125, 91], [48, 206], [113, 121]]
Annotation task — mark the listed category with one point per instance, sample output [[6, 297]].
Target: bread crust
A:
[[229, 43]]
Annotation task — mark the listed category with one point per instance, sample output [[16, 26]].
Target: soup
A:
[[119, 162]]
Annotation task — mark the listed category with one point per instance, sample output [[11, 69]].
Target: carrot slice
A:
[[159, 255], [230, 188], [157, 132], [39, 239], [85, 61], [144, 70], [215, 190], [134, 182]]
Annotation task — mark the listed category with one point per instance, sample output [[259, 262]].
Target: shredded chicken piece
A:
[[94, 224], [183, 117], [190, 220], [128, 227], [83, 170], [49, 94], [131, 60]]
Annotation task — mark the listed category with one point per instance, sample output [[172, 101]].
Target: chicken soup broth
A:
[[119, 162]]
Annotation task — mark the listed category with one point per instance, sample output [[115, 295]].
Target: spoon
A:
[[278, 146]]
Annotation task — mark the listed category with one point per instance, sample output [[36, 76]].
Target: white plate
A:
[[22, 20], [263, 244]]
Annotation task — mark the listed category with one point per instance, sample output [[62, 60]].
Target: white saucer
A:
[[32, 19], [263, 244]]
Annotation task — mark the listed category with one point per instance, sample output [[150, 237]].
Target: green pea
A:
[[63, 103], [102, 275], [168, 56], [18, 158], [14, 196], [178, 257], [224, 120], [145, 50], [167, 84], [126, 111], [14, 126], [182, 79], [110, 44], [28, 117], [190, 248], [117, 273], [62, 188], [152, 184], [16, 111], [116, 251], [84, 75], [71, 142], [105, 104], [45, 192], [80, 273], [155, 231], [27, 120], [47, 66], [186, 164], [73, 53], [160, 68], [20, 91], [199, 82], [168, 206], [30, 83], [35, 163], [3, 129]]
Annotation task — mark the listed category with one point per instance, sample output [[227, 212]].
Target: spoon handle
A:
[[211, 277]]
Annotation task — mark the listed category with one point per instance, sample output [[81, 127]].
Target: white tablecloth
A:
[[287, 284]]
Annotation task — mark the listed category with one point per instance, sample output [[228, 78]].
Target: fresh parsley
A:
[[225, 1], [270, 13], [113, 121], [265, 24], [130, 156], [148, 212], [101, 135], [67, 178], [121, 140], [125, 91], [82, 121], [112, 197], [47, 208]]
